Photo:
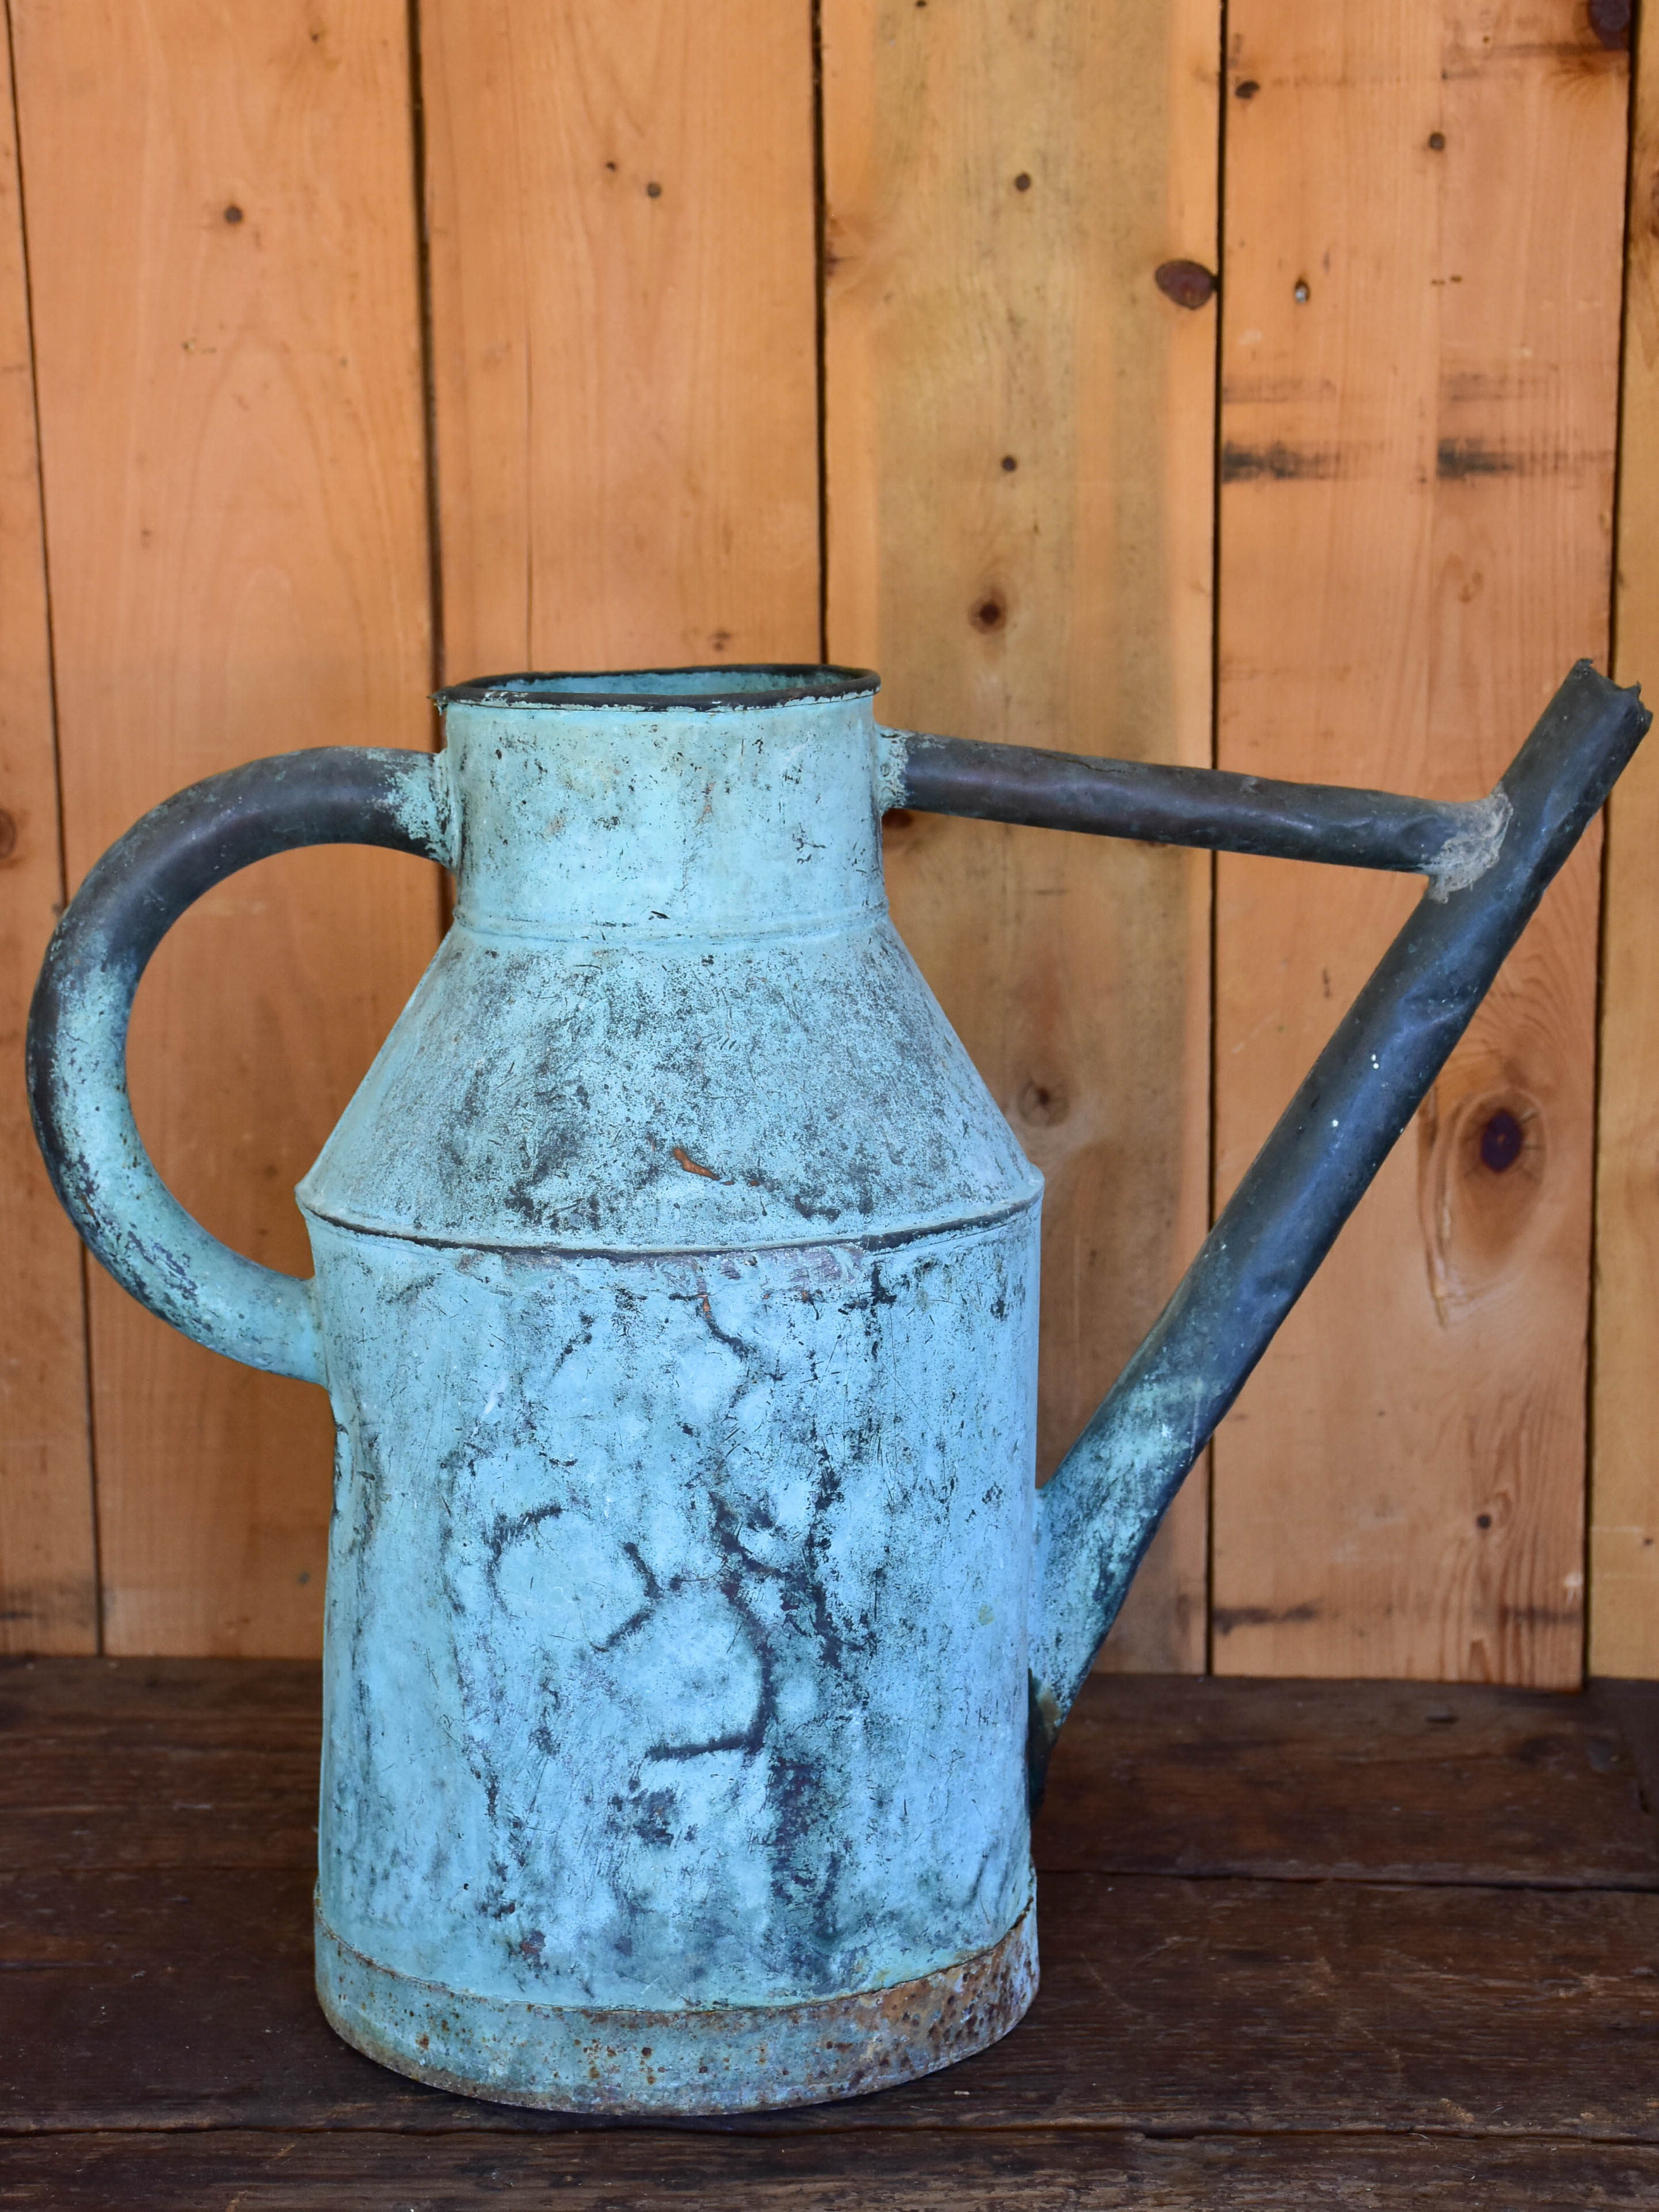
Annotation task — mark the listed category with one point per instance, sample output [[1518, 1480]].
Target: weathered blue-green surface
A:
[[678, 1283]]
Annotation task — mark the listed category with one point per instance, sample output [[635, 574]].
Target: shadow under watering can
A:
[[696, 1637]]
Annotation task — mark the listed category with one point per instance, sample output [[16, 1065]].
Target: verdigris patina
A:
[[695, 1633]]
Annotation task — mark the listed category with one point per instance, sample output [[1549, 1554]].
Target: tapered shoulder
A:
[[671, 1095]]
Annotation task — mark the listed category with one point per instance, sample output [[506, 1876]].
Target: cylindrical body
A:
[[679, 1286]]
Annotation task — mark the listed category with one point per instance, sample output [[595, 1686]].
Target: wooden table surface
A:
[[1337, 1944]]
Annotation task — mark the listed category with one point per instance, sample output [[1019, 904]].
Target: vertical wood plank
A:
[[222, 243], [1019, 496], [1423, 208], [48, 1588], [1624, 1542], [622, 226]]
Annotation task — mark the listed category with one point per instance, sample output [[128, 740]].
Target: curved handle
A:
[[77, 1035]]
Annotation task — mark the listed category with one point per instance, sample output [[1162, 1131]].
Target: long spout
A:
[[1098, 1513]]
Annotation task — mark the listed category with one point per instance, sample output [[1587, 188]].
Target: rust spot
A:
[[1230, 1617], [1535, 1616], [1188, 283], [898, 817], [1468, 457], [8, 835], [1610, 20], [423, 2042], [1472, 457], [686, 1160], [1283, 463], [989, 613]]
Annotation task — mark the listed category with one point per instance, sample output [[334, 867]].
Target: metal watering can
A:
[[697, 1635]]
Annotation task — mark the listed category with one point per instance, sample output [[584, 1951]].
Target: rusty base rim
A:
[[710, 2059]]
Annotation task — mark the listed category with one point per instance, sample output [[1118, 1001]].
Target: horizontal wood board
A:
[[1035, 2171], [1199, 2041], [189, 1762]]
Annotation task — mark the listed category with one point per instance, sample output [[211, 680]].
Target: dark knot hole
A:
[[1502, 1141]]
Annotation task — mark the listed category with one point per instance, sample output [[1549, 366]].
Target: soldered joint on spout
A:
[[1470, 851]]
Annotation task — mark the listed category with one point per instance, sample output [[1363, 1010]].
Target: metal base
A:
[[710, 2058]]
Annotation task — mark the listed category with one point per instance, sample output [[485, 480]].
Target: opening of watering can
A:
[[711, 688]]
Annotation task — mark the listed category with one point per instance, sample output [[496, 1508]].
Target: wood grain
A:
[[1018, 488], [1045, 2170], [223, 247], [48, 1553], [621, 214], [1425, 2037], [1353, 1781], [166, 1762], [1624, 1534], [1423, 209], [1167, 2005]]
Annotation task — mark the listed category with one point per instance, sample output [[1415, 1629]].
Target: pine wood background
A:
[[349, 345]]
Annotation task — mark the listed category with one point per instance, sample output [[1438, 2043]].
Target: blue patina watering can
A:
[[697, 1635]]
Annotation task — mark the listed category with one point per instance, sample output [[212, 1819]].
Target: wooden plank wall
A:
[[621, 209], [1019, 453], [1623, 1546], [222, 260], [49, 1597], [374, 340], [1420, 393]]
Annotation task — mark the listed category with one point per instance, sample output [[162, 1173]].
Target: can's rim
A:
[[721, 687]]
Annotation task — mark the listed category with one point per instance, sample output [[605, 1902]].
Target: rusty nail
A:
[[1188, 283], [1610, 20]]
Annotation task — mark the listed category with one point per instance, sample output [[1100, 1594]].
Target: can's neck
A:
[[664, 820]]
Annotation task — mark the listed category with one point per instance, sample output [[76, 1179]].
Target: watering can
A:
[[697, 1635]]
